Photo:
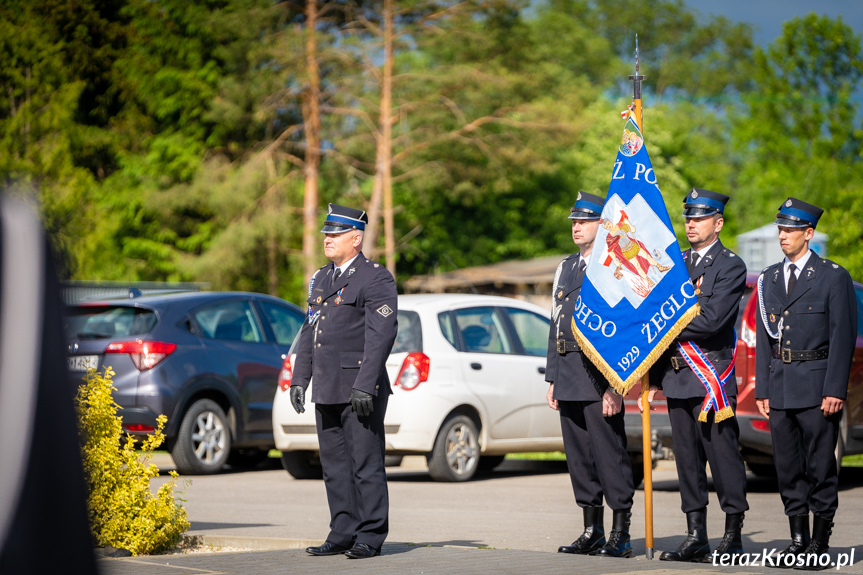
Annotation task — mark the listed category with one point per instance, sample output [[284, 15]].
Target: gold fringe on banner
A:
[[623, 386], [720, 415]]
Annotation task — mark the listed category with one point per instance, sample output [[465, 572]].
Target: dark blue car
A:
[[209, 361]]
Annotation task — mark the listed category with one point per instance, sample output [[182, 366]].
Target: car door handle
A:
[[476, 366], [541, 369]]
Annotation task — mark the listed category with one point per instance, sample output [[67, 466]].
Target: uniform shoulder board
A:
[[728, 253], [827, 262], [319, 270]]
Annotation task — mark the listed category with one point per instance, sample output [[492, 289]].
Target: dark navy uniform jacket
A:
[[821, 314], [348, 333], [575, 378], [720, 280]]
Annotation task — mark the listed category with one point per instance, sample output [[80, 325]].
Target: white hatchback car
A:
[[468, 375]]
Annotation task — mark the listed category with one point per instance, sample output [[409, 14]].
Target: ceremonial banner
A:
[[636, 296]]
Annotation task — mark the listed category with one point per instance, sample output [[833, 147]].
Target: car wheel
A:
[[246, 457], [489, 462], [204, 440], [455, 456], [302, 464]]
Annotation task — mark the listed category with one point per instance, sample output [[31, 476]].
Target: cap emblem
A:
[[694, 194], [788, 204], [578, 197]]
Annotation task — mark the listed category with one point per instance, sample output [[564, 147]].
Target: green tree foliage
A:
[[799, 131], [165, 138]]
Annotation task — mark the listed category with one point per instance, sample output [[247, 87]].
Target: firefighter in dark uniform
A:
[[344, 345], [804, 348], [696, 374], [591, 418]]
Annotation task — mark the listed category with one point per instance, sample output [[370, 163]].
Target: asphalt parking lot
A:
[[508, 521]]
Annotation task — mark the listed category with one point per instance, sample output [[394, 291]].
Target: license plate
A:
[[83, 362]]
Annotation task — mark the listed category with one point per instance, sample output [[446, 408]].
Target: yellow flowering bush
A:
[[124, 513]]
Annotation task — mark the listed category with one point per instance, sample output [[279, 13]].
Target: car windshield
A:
[[98, 322]]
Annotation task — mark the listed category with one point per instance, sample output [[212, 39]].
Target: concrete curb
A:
[[275, 543]]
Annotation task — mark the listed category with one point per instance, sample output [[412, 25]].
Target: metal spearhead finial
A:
[[637, 77]]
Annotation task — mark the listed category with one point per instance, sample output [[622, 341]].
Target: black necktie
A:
[[694, 260], [336, 275], [792, 279], [582, 265]]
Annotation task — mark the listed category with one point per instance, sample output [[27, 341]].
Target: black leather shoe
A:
[[593, 537], [618, 544], [732, 542], [696, 546], [799, 541], [361, 551], [328, 548], [815, 553]]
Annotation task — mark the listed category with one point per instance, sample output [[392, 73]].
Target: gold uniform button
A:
[[787, 342], [360, 362], [319, 345], [567, 299], [786, 311], [325, 304]]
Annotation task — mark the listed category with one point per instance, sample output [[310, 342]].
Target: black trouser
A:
[[696, 444], [596, 455], [352, 456], [803, 451]]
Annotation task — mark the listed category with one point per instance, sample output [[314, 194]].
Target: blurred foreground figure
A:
[[43, 509]]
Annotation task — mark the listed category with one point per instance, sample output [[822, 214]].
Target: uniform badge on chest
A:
[[772, 318], [338, 299], [698, 285]]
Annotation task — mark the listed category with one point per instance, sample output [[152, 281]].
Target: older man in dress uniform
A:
[[696, 374], [805, 339], [591, 417], [344, 344]]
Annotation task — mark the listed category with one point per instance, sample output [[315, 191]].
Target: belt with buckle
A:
[[564, 346], [789, 355], [678, 363]]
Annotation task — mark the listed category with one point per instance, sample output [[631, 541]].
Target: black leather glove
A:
[[361, 402], [298, 398]]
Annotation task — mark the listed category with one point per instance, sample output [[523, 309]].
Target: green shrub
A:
[[123, 511]]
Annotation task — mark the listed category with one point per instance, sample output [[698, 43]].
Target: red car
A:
[[755, 442]]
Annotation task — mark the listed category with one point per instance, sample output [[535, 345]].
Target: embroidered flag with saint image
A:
[[636, 296]]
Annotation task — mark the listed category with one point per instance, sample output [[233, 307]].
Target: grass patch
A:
[[852, 461], [541, 456]]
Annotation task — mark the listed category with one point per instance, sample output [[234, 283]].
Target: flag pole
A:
[[646, 448]]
